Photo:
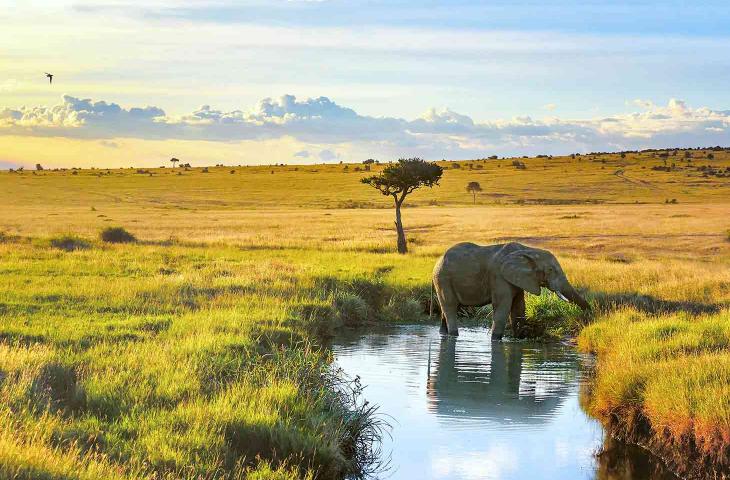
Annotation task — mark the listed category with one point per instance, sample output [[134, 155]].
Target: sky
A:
[[307, 81]]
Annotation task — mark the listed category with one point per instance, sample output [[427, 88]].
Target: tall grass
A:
[[664, 380], [207, 366]]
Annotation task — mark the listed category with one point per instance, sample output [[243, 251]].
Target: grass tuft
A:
[[403, 310], [69, 243], [351, 309], [116, 235]]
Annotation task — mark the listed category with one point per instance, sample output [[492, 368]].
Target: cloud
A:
[[80, 117], [322, 125], [328, 155], [549, 107]]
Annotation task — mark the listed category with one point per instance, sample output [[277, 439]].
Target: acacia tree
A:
[[398, 180], [474, 188], [174, 161]]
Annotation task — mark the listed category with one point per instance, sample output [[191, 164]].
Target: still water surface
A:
[[467, 409]]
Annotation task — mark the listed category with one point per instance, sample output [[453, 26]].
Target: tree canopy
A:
[[473, 187], [400, 179]]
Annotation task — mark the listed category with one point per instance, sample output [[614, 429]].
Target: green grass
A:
[[172, 361], [665, 380]]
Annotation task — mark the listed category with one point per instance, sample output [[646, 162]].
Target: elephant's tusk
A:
[[561, 296]]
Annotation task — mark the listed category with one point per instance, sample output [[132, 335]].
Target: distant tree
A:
[[39, 167], [400, 179], [474, 188], [174, 160]]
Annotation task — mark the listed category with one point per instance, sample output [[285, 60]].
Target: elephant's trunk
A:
[[565, 291], [569, 292]]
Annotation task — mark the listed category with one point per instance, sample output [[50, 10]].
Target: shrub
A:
[[69, 243], [406, 310], [6, 237], [116, 235], [548, 315], [351, 308]]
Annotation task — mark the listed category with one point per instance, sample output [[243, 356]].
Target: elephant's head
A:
[[532, 268]]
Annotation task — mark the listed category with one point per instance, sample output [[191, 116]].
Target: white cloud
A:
[[322, 124]]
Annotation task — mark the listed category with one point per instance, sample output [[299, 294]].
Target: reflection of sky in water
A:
[[475, 412]]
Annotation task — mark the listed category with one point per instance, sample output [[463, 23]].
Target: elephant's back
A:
[[457, 256]]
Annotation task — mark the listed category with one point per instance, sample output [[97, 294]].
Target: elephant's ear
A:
[[520, 270]]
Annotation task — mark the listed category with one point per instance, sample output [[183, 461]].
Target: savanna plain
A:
[[196, 346]]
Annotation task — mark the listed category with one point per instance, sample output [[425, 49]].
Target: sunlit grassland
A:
[[193, 353], [664, 381], [585, 179], [178, 361]]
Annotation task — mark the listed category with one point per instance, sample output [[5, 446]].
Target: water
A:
[[483, 411]]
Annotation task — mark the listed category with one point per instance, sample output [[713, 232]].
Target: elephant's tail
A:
[[430, 305]]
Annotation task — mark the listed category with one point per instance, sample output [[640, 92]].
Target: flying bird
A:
[[50, 77]]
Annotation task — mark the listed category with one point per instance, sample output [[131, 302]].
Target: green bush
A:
[[116, 235], [351, 308], [547, 315], [69, 243], [406, 310]]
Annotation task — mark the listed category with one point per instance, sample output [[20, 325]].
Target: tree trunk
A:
[[402, 246], [474, 194]]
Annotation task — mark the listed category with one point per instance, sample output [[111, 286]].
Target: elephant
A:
[[476, 275]]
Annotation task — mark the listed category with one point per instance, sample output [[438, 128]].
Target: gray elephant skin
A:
[[475, 275]]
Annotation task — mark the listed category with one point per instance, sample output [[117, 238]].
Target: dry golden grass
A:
[[584, 179]]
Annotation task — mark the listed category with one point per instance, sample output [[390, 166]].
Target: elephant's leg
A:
[[501, 312], [449, 307], [517, 314], [451, 313]]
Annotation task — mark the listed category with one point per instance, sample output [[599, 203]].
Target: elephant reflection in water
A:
[[512, 388]]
